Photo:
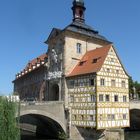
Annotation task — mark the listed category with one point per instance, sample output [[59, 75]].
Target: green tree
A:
[[137, 87], [131, 85], [9, 129]]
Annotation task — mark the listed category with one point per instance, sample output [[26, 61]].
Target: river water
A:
[[132, 135]]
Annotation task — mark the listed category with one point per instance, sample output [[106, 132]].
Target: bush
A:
[[62, 136]]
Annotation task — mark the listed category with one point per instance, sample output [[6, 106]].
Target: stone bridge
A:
[[50, 117], [134, 105], [43, 117], [134, 115]]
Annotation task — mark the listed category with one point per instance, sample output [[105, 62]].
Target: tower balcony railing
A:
[[24, 103]]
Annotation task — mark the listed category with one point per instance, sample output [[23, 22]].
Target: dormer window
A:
[[94, 60], [81, 63], [79, 49]]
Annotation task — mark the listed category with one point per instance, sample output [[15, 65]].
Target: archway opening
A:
[[134, 120], [34, 126], [55, 92]]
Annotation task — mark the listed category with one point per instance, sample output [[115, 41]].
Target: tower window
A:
[[79, 49], [81, 13]]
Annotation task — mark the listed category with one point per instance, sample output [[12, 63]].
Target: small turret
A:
[[78, 10]]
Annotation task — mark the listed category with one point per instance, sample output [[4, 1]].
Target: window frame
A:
[[123, 84], [71, 84], [113, 83], [79, 48], [107, 99], [124, 116], [116, 98], [101, 96], [102, 82], [92, 82], [124, 98], [71, 98], [92, 98]]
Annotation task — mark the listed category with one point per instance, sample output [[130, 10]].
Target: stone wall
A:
[[78, 133], [114, 134], [70, 50]]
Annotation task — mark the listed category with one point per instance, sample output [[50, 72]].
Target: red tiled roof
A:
[[36, 60], [29, 67], [91, 62]]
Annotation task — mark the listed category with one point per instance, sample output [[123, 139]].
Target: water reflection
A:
[[132, 135], [31, 136]]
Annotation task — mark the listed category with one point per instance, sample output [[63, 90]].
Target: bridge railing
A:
[[24, 103], [134, 101]]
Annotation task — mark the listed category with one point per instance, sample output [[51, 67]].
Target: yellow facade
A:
[[113, 109], [110, 106]]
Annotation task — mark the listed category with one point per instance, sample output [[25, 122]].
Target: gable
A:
[[53, 34], [112, 64]]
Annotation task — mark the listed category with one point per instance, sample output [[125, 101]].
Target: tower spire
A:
[[78, 10]]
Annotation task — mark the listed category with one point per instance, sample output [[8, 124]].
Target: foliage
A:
[[131, 85], [15, 93], [62, 136], [8, 125], [137, 86], [134, 87]]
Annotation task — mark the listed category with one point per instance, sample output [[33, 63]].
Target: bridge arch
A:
[[135, 119], [45, 114]]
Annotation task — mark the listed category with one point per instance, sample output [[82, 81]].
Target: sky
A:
[[26, 24]]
